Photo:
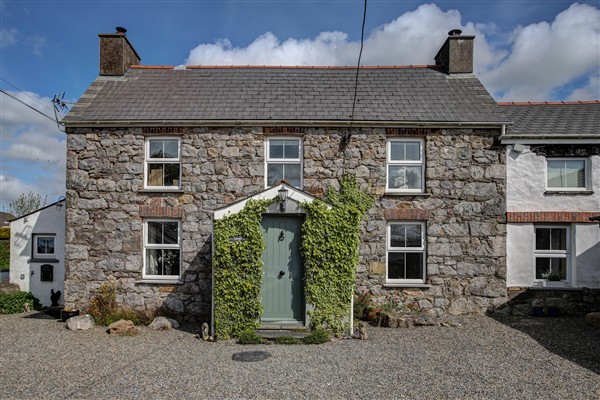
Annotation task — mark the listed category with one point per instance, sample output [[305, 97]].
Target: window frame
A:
[[148, 161], [422, 249], [558, 254], [147, 246], [412, 163], [586, 177], [35, 254], [289, 161]]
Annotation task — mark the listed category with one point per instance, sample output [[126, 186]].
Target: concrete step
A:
[[271, 334]]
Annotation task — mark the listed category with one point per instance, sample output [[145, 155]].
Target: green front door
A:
[[282, 291]]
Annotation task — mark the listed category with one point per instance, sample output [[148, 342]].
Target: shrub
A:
[[5, 233], [12, 303], [250, 337], [361, 303], [317, 336], [4, 255], [288, 340], [105, 310]]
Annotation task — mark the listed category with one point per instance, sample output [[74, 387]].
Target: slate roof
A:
[[571, 119], [204, 94]]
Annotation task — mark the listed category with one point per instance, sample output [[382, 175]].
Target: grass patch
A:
[[12, 303], [250, 337], [317, 336], [288, 340]]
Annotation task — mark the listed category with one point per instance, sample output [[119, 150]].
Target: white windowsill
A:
[[391, 194], [161, 281], [158, 190], [406, 285], [569, 192]]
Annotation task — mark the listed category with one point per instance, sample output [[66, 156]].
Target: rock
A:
[[80, 322], [593, 319], [163, 324], [362, 333], [205, 332], [122, 327]]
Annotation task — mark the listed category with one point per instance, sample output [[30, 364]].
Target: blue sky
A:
[[525, 50]]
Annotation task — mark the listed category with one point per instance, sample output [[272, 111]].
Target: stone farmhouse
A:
[[155, 153], [552, 181]]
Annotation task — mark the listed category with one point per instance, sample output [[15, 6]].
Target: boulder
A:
[[593, 319], [122, 327], [163, 324], [80, 322]]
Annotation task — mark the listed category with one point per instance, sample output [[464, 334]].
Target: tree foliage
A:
[[26, 203]]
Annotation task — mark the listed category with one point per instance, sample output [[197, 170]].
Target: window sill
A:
[[569, 192], [407, 285], [542, 288], [160, 281], [405, 194], [43, 260], [161, 191]]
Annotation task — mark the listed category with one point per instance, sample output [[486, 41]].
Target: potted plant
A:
[[552, 278], [67, 313]]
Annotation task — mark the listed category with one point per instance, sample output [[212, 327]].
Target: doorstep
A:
[[272, 334]]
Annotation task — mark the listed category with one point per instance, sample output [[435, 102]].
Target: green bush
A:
[[317, 336], [12, 303], [4, 254], [5, 233], [250, 337], [104, 308], [288, 340]]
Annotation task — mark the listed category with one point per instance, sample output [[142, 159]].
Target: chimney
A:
[[456, 55], [116, 53]]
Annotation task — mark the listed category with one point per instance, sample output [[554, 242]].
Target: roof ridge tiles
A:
[[550, 103], [287, 67]]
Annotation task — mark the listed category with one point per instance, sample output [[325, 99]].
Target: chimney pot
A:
[[120, 29], [455, 32]]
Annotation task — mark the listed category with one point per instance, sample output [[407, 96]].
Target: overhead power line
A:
[[25, 104], [348, 135], [25, 93]]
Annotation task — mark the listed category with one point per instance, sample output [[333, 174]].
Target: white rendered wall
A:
[[526, 185], [46, 221], [587, 254]]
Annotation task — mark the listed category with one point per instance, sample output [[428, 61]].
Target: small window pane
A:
[[156, 149], [397, 150], [555, 265], [413, 235], [171, 149], [155, 232], [403, 177], [414, 265], [171, 175], [169, 259], [558, 239], [397, 235], [155, 174], [413, 151], [574, 173], [396, 263], [45, 245], [291, 174], [274, 174], [170, 232], [542, 239], [276, 148], [292, 149]]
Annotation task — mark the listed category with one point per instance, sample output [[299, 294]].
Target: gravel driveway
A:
[[483, 358]]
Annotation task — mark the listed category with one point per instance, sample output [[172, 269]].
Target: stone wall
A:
[[569, 302], [464, 208]]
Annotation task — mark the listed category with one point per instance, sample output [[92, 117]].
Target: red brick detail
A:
[[406, 214], [409, 131], [161, 212], [284, 129], [163, 129], [551, 216]]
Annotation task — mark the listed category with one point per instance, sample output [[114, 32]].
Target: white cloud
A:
[[530, 63], [28, 138], [8, 37]]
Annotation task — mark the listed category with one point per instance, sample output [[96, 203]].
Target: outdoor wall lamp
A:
[[59, 203], [282, 194]]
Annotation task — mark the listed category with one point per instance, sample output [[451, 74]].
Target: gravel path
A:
[[482, 359]]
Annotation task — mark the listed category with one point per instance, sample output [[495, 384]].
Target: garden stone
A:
[[163, 324], [593, 319], [121, 327], [204, 335], [80, 323]]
